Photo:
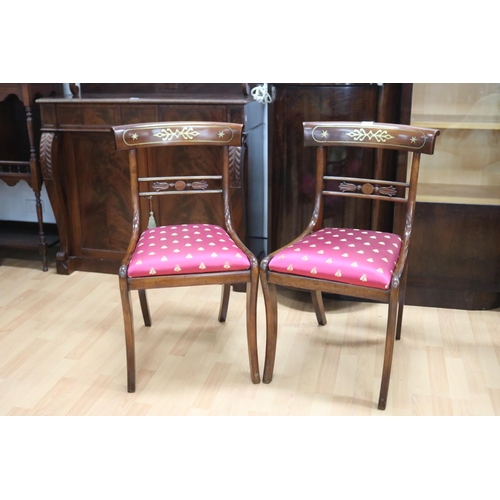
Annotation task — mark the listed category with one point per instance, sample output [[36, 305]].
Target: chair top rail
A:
[[370, 135], [154, 134]]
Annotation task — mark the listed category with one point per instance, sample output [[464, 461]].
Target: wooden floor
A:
[[62, 353]]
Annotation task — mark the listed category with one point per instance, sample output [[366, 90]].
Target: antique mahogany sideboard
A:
[[88, 181], [19, 159]]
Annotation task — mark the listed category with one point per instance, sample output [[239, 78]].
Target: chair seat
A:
[[186, 249], [352, 256]]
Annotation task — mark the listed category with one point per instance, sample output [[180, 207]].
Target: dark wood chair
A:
[[359, 263], [184, 254]]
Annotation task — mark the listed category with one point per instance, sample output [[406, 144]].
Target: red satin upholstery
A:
[[353, 256], [186, 249]]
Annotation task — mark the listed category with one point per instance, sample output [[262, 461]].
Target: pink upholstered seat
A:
[[186, 249], [353, 256]]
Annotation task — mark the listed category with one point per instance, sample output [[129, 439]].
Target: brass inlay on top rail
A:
[[187, 133], [360, 135], [143, 136], [321, 134]]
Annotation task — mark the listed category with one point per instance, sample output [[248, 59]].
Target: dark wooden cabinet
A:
[[19, 158], [454, 259], [88, 181], [291, 166]]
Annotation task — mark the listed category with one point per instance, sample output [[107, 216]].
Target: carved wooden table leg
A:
[[36, 185], [51, 177]]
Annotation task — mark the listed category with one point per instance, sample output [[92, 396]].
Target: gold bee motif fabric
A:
[[353, 256], [186, 249]]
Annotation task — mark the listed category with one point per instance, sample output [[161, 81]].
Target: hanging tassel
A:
[[151, 221]]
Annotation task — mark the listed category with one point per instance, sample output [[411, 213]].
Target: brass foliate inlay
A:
[[187, 133], [360, 135]]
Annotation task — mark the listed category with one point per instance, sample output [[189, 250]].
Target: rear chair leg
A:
[[144, 307], [224, 302], [319, 308]]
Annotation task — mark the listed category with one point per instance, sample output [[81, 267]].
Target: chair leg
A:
[[224, 302], [128, 319], [144, 307], [402, 293], [252, 290], [389, 348], [271, 303], [319, 308]]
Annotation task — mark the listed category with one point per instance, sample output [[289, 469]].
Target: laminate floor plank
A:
[[62, 352]]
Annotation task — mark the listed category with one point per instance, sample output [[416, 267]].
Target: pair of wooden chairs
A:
[[356, 262]]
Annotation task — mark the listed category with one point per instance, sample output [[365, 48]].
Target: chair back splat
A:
[[184, 254], [357, 262]]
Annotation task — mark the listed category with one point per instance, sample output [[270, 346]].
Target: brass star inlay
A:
[[221, 134], [413, 140], [135, 137], [324, 134]]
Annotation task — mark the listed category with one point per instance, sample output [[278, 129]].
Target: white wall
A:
[[18, 202]]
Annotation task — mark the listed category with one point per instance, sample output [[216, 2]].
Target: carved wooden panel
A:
[[235, 167]]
